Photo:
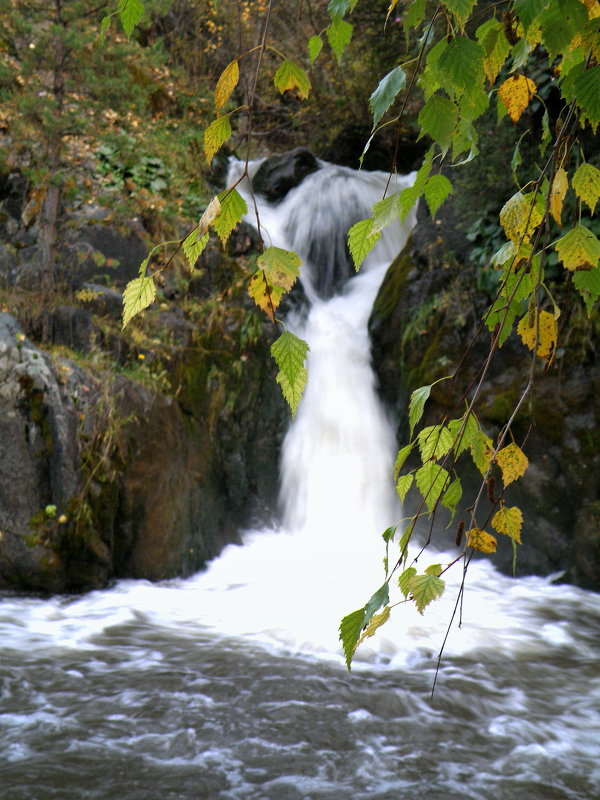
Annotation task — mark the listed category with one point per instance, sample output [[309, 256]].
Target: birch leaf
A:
[[509, 521], [290, 77], [513, 463], [425, 589], [481, 540], [289, 352], [560, 184], [138, 295], [226, 84], [515, 94], [543, 328], [215, 136], [578, 249], [586, 184]]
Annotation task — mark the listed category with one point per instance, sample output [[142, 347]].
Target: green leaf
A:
[[433, 78], [350, 628], [434, 442], [481, 451], [431, 480], [380, 598], [315, 45], [438, 119], [290, 77], [361, 240], [520, 52], [403, 485], [473, 104], [415, 14], [404, 580], [516, 161], [463, 433], [339, 8], [233, 208], [138, 295], [586, 184], [452, 495], [193, 245], [416, 406], [130, 13], [425, 589], [528, 10], [496, 47], [437, 189], [560, 23], [405, 540], [403, 454], [281, 267], [386, 92], [587, 283], [339, 34], [460, 9], [462, 64], [389, 534], [290, 353], [503, 313], [215, 136], [407, 199], [105, 25], [409, 196], [385, 212], [578, 249], [352, 624]]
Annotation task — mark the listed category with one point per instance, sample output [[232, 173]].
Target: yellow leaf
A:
[[593, 8], [266, 295], [520, 217], [137, 295], [376, 621], [579, 249], [215, 136], [226, 84], [509, 521], [481, 540], [513, 462], [586, 183], [515, 94], [541, 335], [560, 184]]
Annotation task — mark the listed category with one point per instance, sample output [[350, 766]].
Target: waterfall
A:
[[338, 455]]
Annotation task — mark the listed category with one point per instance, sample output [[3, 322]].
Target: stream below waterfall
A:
[[231, 684]]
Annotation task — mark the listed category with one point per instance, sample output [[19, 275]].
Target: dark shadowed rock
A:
[[278, 174]]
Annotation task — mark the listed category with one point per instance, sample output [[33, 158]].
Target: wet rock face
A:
[[103, 478], [278, 174], [424, 318]]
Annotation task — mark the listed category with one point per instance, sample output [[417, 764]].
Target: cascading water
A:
[[231, 684]]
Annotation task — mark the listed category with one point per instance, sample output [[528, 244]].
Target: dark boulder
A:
[[278, 174]]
